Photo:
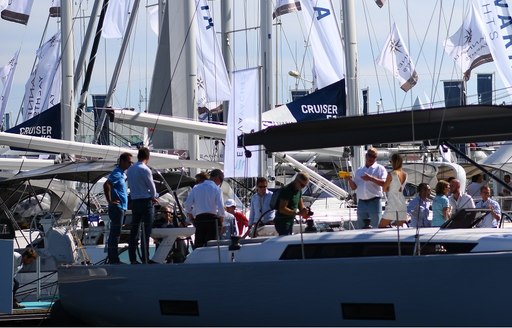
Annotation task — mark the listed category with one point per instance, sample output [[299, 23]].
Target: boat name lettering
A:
[[44, 130], [320, 109]]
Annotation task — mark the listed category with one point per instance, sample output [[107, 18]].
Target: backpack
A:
[[274, 200]]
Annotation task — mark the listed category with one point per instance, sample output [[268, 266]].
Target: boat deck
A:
[[33, 314]]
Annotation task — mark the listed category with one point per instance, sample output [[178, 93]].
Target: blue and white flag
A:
[[468, 46], [17, 11], [38, 89], [213, 83], [6, 76], [243, 117], [325, 103], [325, 38], [498, 30], [395, 58]]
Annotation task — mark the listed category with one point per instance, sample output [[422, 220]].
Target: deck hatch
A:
[[368, 311], [175, 307]]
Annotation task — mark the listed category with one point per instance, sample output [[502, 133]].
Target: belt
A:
[[369, 200]]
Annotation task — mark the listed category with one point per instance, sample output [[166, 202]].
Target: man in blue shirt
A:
[[418, 207], [144, 196], [117, 197]]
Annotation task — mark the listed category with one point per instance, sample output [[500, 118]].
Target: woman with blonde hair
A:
[[396, 207]]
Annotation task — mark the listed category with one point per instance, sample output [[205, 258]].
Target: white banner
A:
[[6, 75], [212, 77], [17, 11], [285, 7], [468, 46], [498, 29], [153, 19], [243, 117], [325, 38], [395, 58], [38, 89], [116, 19]]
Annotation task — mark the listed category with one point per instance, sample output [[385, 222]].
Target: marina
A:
[[211, 102]]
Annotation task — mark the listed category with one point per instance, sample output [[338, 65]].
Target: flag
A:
[[38, 89], [395, 58], [380, 3], [468, 46], [213, 83], [285, 7], [243, 117], [116, 19], [153, 19], [328, 51], [55, 8], [328, 102], [6, 75], [497, 29], [17, 11]]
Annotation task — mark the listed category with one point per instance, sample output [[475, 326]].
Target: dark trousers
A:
[[116, 214], [142, 215], [207, 228], [284, 226]]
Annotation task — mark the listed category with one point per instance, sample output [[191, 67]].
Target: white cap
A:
[[229, 203]]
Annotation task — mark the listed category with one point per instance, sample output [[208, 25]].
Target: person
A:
[[229, 224], [205, 199], [201, 177], [396, 207], [441, 204], [290, 203], [459, 200], [117, 197], [491, 219], [507, 201], [260, 205], [368, 182], [19, 261], [165, 217], [241, 220], [144, 196], [418, 207], [473, 189]]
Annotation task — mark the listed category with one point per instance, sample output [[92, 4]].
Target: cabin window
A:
[[175, 307], [368, 311], [339, 250]]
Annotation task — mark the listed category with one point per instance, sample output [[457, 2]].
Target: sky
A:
[[424, 24]]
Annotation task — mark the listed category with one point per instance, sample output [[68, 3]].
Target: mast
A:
[[226, 25], [266, 167], [67, 101], [350, 38]]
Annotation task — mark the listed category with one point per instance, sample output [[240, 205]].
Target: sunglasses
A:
[[371, 156], [262, 186]]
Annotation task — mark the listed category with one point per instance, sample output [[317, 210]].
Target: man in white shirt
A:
[[367, 183], [459, 200], [492, 219], [205, 201]]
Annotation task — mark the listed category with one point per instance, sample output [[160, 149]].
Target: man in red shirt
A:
[[241, 219]]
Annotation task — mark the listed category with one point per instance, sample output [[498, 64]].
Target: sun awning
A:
[[476, 123]]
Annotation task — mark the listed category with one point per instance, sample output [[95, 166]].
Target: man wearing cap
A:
[[240, 218], [205, 199]]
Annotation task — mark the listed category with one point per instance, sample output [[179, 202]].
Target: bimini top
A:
[[455, 124]]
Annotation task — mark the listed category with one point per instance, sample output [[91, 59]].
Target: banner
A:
[[38, 89], [468, 46], [243, 117], [45, 125], [55, 8], [322, 104], [116, 19], [17, 11], [283, 7], [6, 75], [325, 38], [498, 30], [213, 83], [395, 58]]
